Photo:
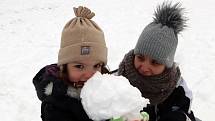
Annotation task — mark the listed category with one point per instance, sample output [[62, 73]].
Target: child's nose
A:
[[88, 74], [145, 67]]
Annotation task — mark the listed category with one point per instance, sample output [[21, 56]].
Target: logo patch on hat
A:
[[85, 50]]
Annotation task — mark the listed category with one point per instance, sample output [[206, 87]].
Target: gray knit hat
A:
[[159, 39]]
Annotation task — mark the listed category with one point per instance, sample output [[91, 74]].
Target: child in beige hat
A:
[[82, 52]]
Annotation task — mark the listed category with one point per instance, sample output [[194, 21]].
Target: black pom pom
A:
[[171, 16]]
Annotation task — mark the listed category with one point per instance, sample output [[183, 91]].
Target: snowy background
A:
[[30, 33]]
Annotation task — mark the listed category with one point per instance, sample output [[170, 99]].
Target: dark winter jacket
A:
[[57, 103], [175, 108]]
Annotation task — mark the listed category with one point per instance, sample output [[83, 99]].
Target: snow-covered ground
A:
[[30, 33]]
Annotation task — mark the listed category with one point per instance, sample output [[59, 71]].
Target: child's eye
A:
[[140, 58], [154, 62], [98, 66], [79, 66]]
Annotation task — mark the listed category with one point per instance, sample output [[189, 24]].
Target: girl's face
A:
[[148, 66], [81, 71]]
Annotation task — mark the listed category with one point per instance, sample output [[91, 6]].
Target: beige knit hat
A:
[[82, 39]]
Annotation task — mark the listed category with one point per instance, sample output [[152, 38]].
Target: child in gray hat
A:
[[151, 68]]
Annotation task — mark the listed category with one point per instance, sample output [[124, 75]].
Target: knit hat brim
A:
[[92, 51]]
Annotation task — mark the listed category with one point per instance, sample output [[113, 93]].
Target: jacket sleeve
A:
[[46, 84], [63, 109], [180, 104]]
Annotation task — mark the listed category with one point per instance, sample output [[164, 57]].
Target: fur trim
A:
[[74, 92], [171, 16], [48, 89]]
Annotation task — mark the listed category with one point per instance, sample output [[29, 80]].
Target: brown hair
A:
[[64, 73]]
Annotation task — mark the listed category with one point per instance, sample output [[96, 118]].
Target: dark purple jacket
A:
[[56, 104]]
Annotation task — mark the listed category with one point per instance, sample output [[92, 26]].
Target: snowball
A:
[[107, 96]]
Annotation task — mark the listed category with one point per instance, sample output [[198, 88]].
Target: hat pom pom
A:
[[83, 12], [171, 16]]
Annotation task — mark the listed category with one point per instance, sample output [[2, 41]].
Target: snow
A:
[[107, 96], [30, 33]]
